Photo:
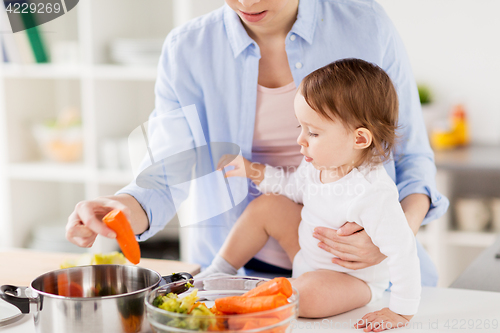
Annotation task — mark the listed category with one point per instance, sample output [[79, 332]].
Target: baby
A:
[[347, 112]]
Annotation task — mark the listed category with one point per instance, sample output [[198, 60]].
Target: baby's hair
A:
[[359, 94]]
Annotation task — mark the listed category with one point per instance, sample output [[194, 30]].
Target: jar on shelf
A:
[[472, 214], [61, 139], [495, 214]]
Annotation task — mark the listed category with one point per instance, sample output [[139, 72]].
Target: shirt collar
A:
[[236, 33], [306, 20], [238, 37]]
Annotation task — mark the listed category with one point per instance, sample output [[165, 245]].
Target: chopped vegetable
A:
[[264, 322], [272, 287], [188, 305], [242, 304], [223, 316], [112, 258], [171, 302], [68, 289], [132, 324], [125, 237]]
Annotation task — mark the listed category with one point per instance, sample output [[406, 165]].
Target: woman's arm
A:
[[415, 206], [168, 134]]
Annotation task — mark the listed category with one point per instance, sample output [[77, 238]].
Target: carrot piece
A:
[[262, 322], [216, 311], [273, 287], [75, 290], [258, 320], [241, 304], [67, 289], [63, 285], [125, 237], [237, 323], [132, 324], [48, 286]]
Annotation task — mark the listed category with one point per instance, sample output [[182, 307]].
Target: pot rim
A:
[[46, 294]]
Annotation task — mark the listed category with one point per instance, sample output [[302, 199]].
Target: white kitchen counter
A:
[[441, 310]]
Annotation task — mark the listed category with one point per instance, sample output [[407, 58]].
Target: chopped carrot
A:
[[272, 287], [48, 286], [132, 324], [215, 311], [62, 285], [75, 290], [125, 237], [241, 304], [67, 289], [263, 322], [238, 323]]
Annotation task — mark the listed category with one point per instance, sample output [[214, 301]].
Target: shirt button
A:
[[298, 65], [292, 37]]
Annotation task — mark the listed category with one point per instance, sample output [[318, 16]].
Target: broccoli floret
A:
[[171, 302], [158, 301]]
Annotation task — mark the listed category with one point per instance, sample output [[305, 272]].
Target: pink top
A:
[[275, 143], [276, 132]]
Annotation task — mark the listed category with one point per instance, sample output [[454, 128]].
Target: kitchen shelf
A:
[[99, 72], [461, 238], [114, 177], [472, 171], [49, 171], [471, 239], [44, 71], [113, 100], [117, 72]]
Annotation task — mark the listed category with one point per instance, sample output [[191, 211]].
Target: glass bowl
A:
[[209, 289]]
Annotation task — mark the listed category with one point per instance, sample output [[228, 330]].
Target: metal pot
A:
[[99, 298]]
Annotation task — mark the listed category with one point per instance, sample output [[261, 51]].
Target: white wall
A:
[[454, 46], [187, 9]]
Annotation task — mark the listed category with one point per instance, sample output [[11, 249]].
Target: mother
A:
[[240, 66]]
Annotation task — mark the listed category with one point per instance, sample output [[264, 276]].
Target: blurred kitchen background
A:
[[67, 109]]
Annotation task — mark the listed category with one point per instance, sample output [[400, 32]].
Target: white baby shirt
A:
[[369, 197]]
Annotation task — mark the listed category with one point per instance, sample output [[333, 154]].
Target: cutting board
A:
[[19, 267]]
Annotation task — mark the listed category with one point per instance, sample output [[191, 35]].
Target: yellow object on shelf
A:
[[457, 136], [460, 126]]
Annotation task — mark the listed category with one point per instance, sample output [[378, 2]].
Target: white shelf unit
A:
[[468, 172], [112, 99]]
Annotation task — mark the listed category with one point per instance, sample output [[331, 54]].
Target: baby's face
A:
[[326, 144]]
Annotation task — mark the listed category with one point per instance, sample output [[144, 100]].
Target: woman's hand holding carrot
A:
[[118, 222]]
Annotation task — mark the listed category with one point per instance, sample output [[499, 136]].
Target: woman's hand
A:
[[242, 168], [382, 320], [85, 223], [350, 244]]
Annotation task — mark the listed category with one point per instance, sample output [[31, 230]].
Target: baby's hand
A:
[[242, 168], [382, 320]]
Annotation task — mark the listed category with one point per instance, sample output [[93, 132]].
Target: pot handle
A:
[[176, 288], [16, 296]]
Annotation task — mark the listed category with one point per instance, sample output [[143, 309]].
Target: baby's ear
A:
[[362, 138]]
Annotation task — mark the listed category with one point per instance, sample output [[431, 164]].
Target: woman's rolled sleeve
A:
[[416, 174]]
